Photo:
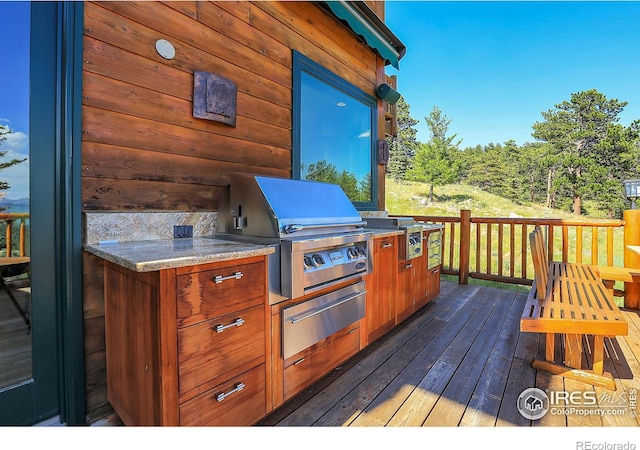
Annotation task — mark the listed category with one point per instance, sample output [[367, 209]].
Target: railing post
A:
[[465, 245], [23, 233], [8, 237], [631, 259]]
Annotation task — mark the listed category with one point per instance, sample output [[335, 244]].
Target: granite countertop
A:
[[431, 226], [381, 232], [152, 255]]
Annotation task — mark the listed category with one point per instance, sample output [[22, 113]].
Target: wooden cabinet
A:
[[433, 263], [433, 283], [187, 346], [382, 285], [410, 292]]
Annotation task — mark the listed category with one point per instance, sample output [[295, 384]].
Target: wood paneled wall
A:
[[143, 149]]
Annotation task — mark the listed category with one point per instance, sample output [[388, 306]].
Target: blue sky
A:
[[494, 67], [14, 93], [491, 67]]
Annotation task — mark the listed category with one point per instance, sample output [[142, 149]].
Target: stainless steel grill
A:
[[319, 242], [318, 234]]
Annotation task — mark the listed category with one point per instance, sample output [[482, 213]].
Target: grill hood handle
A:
[[288, 229]]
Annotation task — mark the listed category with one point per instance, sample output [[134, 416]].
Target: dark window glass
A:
[[334, 132]]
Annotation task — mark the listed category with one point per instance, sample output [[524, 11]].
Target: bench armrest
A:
[[625, 274]]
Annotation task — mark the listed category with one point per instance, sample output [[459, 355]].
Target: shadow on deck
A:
[[461, 361]]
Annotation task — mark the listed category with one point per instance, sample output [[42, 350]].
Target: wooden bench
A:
[[571, 300]]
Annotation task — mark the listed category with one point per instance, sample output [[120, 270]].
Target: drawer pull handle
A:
[[221, 396], [236, 323], [298, 361], [387, 245], [327, 308], [235, 276]]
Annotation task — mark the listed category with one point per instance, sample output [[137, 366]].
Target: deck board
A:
[[460, 361]]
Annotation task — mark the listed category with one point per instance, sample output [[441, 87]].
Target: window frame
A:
[[301, 64]]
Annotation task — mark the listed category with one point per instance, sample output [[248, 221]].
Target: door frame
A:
[[58, 384]]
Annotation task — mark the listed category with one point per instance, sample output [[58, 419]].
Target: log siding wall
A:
[[143, 149]]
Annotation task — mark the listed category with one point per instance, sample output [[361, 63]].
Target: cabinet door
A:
[[420, 276], [406, 290], [433, 283], [381, 299]]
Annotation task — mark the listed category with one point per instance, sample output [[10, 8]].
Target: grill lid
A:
[[281, 207]]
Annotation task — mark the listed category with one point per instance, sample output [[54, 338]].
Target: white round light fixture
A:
[[165, 49]]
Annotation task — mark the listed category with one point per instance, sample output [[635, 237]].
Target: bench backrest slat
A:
[[540, 260]]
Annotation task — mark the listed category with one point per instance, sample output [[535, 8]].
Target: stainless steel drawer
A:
[[311, 321]]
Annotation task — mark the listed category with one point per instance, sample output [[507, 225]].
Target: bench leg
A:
[[598, 354], [550, 347], [573, 350], [573, 361]]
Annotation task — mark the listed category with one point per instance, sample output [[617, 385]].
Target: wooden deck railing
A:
[[13, 221], [497, 249]]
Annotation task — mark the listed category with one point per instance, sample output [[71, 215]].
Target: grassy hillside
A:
[[412, 198]]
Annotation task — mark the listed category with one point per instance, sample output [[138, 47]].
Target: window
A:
[[334, 132]]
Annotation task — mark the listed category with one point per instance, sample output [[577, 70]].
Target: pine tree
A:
[[403, 147], [436, 162], [4, 133], [587, 150]]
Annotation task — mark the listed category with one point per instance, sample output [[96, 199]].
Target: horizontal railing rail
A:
[[497, 249], [15, 247]]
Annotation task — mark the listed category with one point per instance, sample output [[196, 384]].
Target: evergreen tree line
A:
[[356, 191], [580, 153]]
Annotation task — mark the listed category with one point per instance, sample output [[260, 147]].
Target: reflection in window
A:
[[334, 130]]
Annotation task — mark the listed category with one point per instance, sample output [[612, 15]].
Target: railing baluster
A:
[[478, 246], [594, 245], [525, 246], [500, 253], [565, 243], [610, 246], [488, 248], [512, 249], [452, 232], [579, 245]]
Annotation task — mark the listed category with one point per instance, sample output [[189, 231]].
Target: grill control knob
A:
[[361, 251], [318, 260], [352, 253], [308, 263]]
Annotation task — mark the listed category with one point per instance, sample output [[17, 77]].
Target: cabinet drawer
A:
[[242, 406], [384, 244], [313, 363], [205, 354], [215, 292]]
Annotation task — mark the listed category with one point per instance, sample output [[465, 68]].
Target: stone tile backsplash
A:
[[144, 225]]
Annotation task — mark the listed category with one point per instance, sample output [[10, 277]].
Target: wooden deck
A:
[[462, 362], [15, 339]]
